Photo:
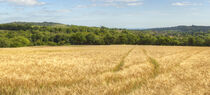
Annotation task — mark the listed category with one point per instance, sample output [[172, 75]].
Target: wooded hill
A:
[[38, 23], [18, 34], [183, 28]]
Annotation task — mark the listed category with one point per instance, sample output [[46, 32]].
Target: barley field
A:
[[105, 70]]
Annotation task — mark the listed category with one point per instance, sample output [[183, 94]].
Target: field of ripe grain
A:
[[105, 70]]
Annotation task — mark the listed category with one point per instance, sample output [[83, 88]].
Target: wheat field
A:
[[105, 70]]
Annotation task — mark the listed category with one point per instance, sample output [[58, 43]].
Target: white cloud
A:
[[186, 4], [86, 6], [25, 2], [118, 0], [134, 4], [114, 3], [63, 11]]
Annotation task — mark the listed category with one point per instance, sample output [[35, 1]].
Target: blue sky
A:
[[110, 13]]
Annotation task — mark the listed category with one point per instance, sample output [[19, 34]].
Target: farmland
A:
[[105, 70]]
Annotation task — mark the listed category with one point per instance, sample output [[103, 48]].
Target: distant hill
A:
[[182, 28], [192, 28], [39, 23]]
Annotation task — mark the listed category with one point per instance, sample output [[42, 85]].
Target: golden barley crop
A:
[[105, 70]]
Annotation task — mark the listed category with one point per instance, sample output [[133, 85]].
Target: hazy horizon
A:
[[104, 26], [131, 14]]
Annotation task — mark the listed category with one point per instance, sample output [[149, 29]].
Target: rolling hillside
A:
[[37, 23], [183, 28]]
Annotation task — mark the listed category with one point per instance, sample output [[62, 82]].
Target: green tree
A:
[[191, 41], [19, 42], [109, 39], [132, 39], [147, 40], [207, 41], [78, 38], [4, 42], [91, 39], [122, 39], [199, 41]]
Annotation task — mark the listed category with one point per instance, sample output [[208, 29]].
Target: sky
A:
[[109, 13]]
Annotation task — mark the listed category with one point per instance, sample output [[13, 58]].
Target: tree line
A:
[[18, 35]]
